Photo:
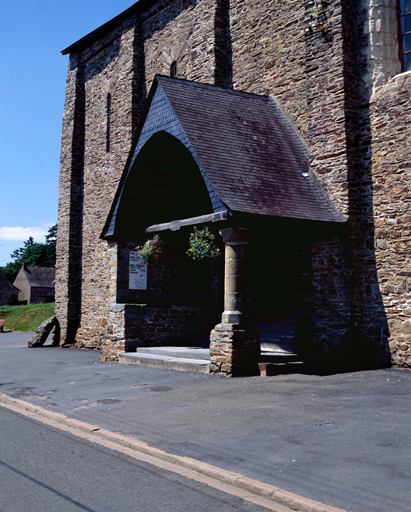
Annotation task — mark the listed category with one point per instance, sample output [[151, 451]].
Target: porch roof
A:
[[248, 151]]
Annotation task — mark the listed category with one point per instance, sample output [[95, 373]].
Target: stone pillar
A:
[[234, 344]]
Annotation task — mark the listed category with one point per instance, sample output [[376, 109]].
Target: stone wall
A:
[[179, 31], [89, 175], [122, 64], [68, 250], [390, 113], [40, 295], [268, 44], [110, 71], [180, 306], [8, 293], [376, 326]]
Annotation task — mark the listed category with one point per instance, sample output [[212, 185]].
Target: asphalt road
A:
[[341, 439], [46, 470]]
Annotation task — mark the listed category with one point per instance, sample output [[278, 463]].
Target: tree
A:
[[33, 254], [51, 239]]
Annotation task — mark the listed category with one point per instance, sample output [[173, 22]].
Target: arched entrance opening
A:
[[164, 184], [182, 300]]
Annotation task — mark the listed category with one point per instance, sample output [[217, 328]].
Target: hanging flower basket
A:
[[202, 245], [151, 250]]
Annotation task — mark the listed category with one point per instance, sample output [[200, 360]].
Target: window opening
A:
[[173, 68], [404, 17], [108, 127]]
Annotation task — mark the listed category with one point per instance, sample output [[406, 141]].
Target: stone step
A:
[[277, 341], [166, 362], [278, 356], [179, 352], [306, 364], [271, 369], [278, 346], [196, 359]]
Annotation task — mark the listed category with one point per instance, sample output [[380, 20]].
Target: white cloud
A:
[[18, 233]]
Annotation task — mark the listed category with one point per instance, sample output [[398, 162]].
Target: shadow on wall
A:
[[369, 330], [75, 227], [223, 73], [349, 317]]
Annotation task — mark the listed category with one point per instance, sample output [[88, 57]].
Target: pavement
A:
[[342, 439]]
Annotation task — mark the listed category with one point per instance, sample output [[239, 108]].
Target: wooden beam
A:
[[175, 225]]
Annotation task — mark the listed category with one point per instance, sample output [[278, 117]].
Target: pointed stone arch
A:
[[164, 183]]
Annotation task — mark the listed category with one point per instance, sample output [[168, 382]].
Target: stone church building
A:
[[283, 127]]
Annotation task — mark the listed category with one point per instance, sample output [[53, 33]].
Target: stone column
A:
[[234, 344]]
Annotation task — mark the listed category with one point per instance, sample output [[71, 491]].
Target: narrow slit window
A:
[[108, 121], [404, 17], [173, 69]]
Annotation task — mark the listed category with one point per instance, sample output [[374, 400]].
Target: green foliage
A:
[[319, 15], [51, 240], [11, 270], [26, 318], [202, 245], [33, 254], [151, 250]]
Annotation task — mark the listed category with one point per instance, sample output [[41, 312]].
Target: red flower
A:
[[156, 256], [158, 248]]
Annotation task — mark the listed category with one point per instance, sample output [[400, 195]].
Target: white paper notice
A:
[[137, 277]]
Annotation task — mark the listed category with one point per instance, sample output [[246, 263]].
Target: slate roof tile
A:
[[249, 151], [41, 276]]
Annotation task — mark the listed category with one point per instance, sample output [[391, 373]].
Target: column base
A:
[[234, 350]]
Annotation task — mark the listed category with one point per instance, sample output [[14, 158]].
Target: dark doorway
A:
[[273, 274]]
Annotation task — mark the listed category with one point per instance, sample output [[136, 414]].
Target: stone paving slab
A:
[[341, 439]]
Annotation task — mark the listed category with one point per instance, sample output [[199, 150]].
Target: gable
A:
[[248, 154], [42, 277]]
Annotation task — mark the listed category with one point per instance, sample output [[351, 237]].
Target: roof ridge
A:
[[202, 85], [89, 38]]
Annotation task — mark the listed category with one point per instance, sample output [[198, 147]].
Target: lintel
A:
[[175, 225]]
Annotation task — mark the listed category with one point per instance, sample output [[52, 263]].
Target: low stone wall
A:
[[134, 325]]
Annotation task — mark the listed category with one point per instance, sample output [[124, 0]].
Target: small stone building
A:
[[8, 292], [284, 128], [35, 284]]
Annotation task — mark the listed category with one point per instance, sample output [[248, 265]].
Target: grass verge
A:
[[26, 318]]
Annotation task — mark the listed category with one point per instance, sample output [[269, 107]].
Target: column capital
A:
[[236, 235]]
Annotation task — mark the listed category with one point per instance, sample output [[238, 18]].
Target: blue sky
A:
[[32, 88]]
